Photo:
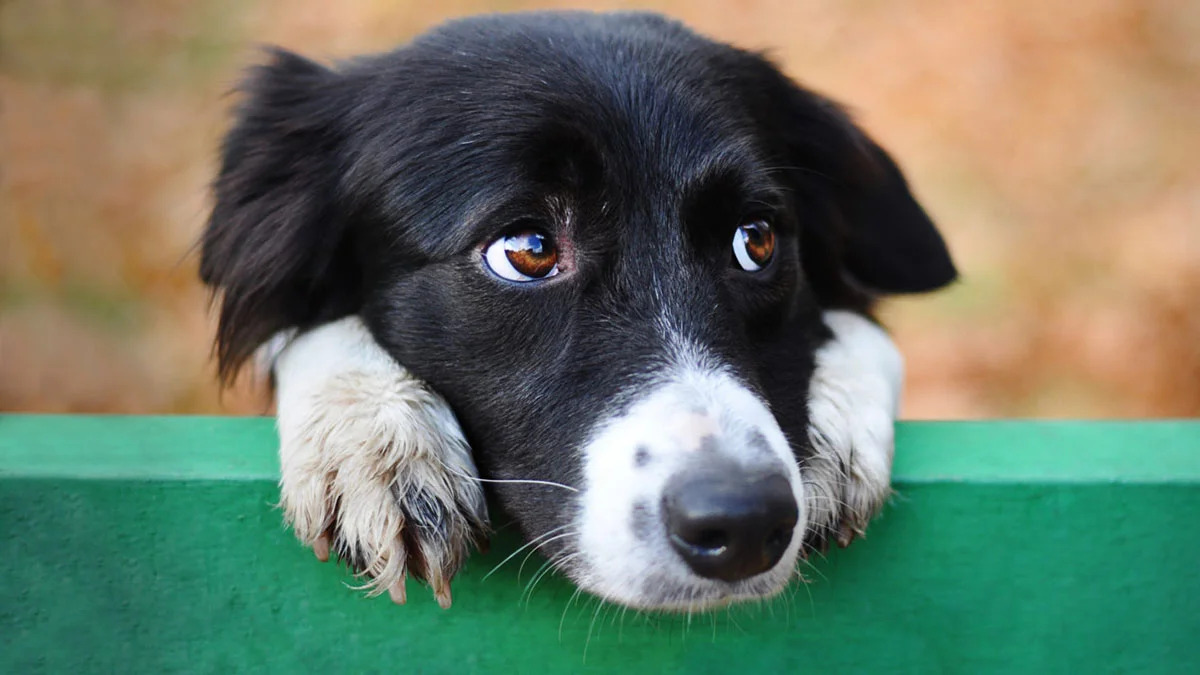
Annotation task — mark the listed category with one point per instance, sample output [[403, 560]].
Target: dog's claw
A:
[[397, 592], [321, 548], [845, 535], [442, 594]]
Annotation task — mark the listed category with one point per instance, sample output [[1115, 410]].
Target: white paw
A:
[[373, 463], [853, 401]]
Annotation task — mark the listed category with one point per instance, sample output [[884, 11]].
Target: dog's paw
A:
[[373, 463], [853, 402]]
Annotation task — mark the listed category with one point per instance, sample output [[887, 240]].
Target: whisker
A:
[[738, 626], [525, 480], [809, 564], [591, 625], [812, 606], [527, 594], [514, 554], [546, 568], [789, 601], [563, 619], [539, 546], [817, 496], [529, 481]]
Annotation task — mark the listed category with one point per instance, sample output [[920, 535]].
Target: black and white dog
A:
[[622, 269]]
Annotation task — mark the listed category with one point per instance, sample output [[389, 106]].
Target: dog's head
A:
[[607, 242]]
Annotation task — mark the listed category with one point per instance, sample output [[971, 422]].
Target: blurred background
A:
[[1057, 144]]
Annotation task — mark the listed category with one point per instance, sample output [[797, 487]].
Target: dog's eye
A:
[[525, 255], [753, 245]]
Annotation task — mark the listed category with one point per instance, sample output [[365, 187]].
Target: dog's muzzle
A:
[[691, 499]]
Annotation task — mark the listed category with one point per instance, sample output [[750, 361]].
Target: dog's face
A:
[[607, 242]]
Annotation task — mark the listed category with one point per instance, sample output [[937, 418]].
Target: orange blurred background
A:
[[1057, 144]]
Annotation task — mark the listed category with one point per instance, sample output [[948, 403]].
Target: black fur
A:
[[372, 188]]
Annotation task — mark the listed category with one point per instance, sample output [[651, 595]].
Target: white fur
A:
[[854, 397], [353, 424], [668, 424], [358, 435]]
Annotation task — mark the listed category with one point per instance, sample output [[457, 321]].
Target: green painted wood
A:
[[151, 545]]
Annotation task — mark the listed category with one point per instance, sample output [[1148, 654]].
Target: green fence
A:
[[151, 545]]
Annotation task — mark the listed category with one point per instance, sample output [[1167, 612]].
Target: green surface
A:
[[151, 545]]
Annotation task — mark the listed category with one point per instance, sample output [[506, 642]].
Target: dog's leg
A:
[[854, 398], [373, 462]]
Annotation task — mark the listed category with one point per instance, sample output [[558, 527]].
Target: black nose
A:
[[729, 524]]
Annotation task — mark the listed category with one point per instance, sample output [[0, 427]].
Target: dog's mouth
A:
[[664, 588], [683, 576]]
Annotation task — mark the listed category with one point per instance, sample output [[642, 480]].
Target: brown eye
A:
[[527, 255], [753, 245]]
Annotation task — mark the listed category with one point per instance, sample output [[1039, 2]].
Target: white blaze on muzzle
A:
[[698, 425]]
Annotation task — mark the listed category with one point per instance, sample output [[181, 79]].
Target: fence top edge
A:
[[206, 448]]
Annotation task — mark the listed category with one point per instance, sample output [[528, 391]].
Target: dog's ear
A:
[[875, 235], [275, 250]]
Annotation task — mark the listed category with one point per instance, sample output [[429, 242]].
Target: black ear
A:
[[890, 244], [876, 236], [275, 250]]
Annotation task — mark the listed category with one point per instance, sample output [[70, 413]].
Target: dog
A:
[[616, 272]]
